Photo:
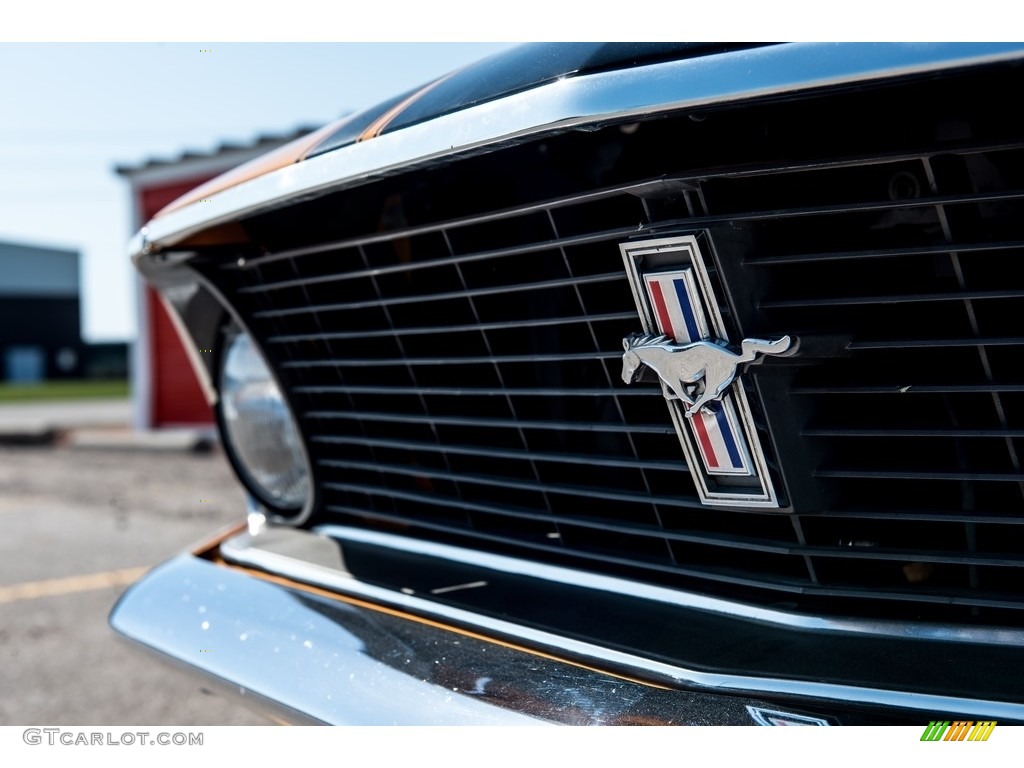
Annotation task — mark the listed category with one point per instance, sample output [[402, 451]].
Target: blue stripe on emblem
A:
[[684, 305], [730, 443]]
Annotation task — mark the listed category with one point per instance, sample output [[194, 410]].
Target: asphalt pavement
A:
[[79, 523], [65, 414]]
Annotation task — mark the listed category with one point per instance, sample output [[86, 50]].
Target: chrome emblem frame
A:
[[685, 343]]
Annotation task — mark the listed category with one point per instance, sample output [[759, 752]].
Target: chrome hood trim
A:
[[573, 102]]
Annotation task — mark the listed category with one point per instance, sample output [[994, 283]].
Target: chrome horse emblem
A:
[[697, 373], [686, 344]]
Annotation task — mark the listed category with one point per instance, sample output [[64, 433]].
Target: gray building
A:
[[40, 329]]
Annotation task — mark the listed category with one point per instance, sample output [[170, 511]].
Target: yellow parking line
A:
[[30, 590]]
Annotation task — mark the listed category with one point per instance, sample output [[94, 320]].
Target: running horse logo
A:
[[705, 366]]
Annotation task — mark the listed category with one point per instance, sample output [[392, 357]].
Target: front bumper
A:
[[333, 627]]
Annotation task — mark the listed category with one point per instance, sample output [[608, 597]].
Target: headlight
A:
[[259, 429]]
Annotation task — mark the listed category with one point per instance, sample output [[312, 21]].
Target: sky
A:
[[70, 112]]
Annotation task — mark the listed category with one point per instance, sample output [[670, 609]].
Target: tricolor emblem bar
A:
[[680, 317], [675, 301]]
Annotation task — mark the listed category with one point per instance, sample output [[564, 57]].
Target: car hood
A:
[[518, 69]]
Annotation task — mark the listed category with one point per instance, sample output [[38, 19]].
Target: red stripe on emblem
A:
[[705, 441], [662, 309]]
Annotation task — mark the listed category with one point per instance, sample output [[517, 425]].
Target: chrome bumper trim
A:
[[573, 102], [311, 660], [322, 566], [260, 640]]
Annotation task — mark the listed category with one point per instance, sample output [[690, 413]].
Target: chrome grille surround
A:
[[455, 370]]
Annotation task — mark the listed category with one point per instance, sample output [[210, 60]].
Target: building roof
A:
[[37, 270]]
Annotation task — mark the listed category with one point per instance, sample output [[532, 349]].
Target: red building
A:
[[164, 387]]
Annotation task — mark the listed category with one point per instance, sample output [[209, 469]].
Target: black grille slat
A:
[[505, 482], [904, 474], [987, 341], [621, 233], [498, 509], [399, 300], [853, 433], [900, 299], [485, 452], [721, 541], [776, 214], [933, 516], [651, 429], [908, 389], [450, 346], [472, 391], [603, 557], [865, 206], [441, 329], [600, 237], [469, 221], [883, 253], [451, 360], [681, 183], [462, 392]]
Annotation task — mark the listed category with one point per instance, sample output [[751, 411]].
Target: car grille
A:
[[451, 343]]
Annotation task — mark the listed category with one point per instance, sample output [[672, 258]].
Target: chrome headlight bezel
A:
[[253, 375]]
